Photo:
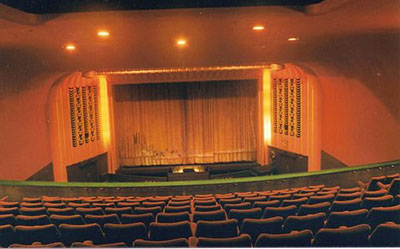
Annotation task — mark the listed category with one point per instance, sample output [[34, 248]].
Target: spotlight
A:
[[258, 28], [103, 33]]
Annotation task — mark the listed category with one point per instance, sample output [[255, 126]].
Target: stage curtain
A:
[[186, 123]]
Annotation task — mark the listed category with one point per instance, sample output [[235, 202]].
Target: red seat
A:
[[175, 243], [126, 233], [254, 227], [292, 239], [243, 240], [313, 222], [347, 218], [168, 231], [343, 237], [217, 229]]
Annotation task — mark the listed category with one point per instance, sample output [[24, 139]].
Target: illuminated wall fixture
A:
[[258, 28], [103, 33], [70, 47], [181, 43], [293, 39], [267, 106], [104, 112]]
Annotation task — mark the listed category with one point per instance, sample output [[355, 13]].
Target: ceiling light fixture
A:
[[292, 39], [70, 47], [103, 33], [258, 28], [181, 42]]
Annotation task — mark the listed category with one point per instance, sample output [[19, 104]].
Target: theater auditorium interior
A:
[[260, 123]]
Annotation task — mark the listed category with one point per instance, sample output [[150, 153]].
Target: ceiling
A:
[[215, 36], [65, 6]]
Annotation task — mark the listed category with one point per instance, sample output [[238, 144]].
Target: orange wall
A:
[[24, 141]]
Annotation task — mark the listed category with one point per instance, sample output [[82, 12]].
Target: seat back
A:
[[296, 202], [292, 239], [312, 222], [118, 211], [93, 211], [379, 215], [132, 205], [280, 198], [211, 202], [209, 215], [102, 219], [7, 235], [177, 203], [172, 217], [9, 210], [33, 211], [241, 214], [75, 219], [148, 204], [79, 233], [217, 229], [321, 198], [322, 207], [264, 204], [175, 243], [347, 218], [254, 199], [44, 234], [177, 209], [61, 211], [152, 210], [243, 240], [243, 205], [344, 236], [347, 196], [280, 211], [126, 233], [32, 220], [255, 227], [385, 235], [345, 205], [167, 231], [208, 208], [7, 219], [146, 219], [222, 202], [39, 245]]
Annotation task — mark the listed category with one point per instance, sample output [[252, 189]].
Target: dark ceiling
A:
[[63, 6]]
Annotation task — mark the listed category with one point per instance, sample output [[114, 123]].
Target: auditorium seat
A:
[[246, 194], [264, 204], [167, 231], [280, 198], [217, 229], [54, 205], [177, 209], [382, 201], [175, 243], [10, 210], [349, 190], [209, 215], [118, 211], [241, 214], [132, 205], [33, 211], [39, 245], [7, 219], [243, 240], [302, 195], [254, 199], [152, 210], [255, 227], [313, 222], [103, 205], [223, 202], [376, 193], [385, 235], [9, 204], [51, 199], [75, 219], [61, 211], [79, 233], [327, 192], [379, 215], [78, 205], [126, 233], [7, 235], [330, 188], [102, 219], [292, 239], [204, 202], [396, 200], [172, 217], [322, 207], [150, 204], [31, 204], [346, 205], [90, 244], [32, 199], [145, 218], [243, 205], [354, 236], [92, 200], [175, 203], [347, 196], [33, 220], [346, 218], [93, 211], [68, 200], [44, 234], [208, 208], [372, 184], [280, 211], [218, 197], [389, 178], [393, 188], [296, 202], [289, 191], [181, 198], [321, 198]]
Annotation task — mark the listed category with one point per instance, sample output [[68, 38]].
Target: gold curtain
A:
[[186, 123]]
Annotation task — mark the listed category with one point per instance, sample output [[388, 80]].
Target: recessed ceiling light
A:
[[258, 28], [181, 42], [103, 33], [292, 39], [70, 47]]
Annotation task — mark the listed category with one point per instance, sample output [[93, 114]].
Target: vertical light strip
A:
[[104, 113], [267, 105]]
